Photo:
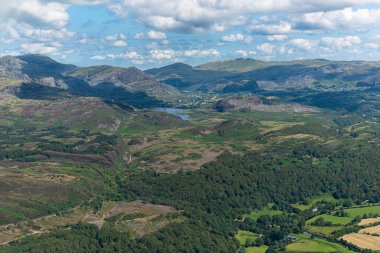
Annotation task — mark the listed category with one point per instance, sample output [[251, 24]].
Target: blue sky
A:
[[154, 33]]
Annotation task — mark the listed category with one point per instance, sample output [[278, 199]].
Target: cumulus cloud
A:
[[115, 37], [163, 54], [153, 35], [244, 53], [274, 29], [40, 48], [277, 37], [31, 26], [304, 44], [341, 42], [340, 19], [98, 57], [202, 53], [237, 38], [18, 16], [120, 43], [197, 15], [266, 48], [169, 54], [372, 45], [133, 56]]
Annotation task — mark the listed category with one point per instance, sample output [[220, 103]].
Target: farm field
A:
[[323, 230], [368, 221], [335, 220], [370, 230], [363, 241], [360, 211], [306, 244], [339, 223]]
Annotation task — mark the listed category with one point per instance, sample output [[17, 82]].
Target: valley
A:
[[189, 159]]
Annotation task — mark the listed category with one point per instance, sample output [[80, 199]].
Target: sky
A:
[[154, 33]]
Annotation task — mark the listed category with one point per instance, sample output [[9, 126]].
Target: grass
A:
[[261, 249], [335, 220], [256, 214], [312, 201], [340, 222], [306, 244], [360, 211], [326, 231], [242, 236]]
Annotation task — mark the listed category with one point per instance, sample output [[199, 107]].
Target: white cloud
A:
[[244, 53], [198, 15], [286, 50], [120, 43], [202, 53], [153, 35], [114, 37], [133, 56], [341, 42], [237, 38], [166, 54], [340, 19], [98, 57], [266, 48], [273, 29], [276, 37], [139, 35], [304, 44], [23, 15], [40, 48], [373, 45], [169, 54]]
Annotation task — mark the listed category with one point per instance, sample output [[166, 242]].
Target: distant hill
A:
[[318, 74], [127, 85]]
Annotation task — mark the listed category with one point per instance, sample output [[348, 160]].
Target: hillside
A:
[[272, 75], [122, 84], [87, 164]]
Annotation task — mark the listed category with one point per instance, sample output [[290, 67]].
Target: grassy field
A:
[[360, 211], [341, 222], [306, 244], [326, 231], [242, 236], [335, 220], [261, 249], [256, 214], [312, 201]]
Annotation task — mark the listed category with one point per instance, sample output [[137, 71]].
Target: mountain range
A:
[[31, 76]]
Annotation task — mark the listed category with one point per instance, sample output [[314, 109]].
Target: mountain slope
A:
[[272, 75], [126, 85]]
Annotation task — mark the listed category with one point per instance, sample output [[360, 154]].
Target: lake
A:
[[173, 111]]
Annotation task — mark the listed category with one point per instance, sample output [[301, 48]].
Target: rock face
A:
[[11, 67]]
